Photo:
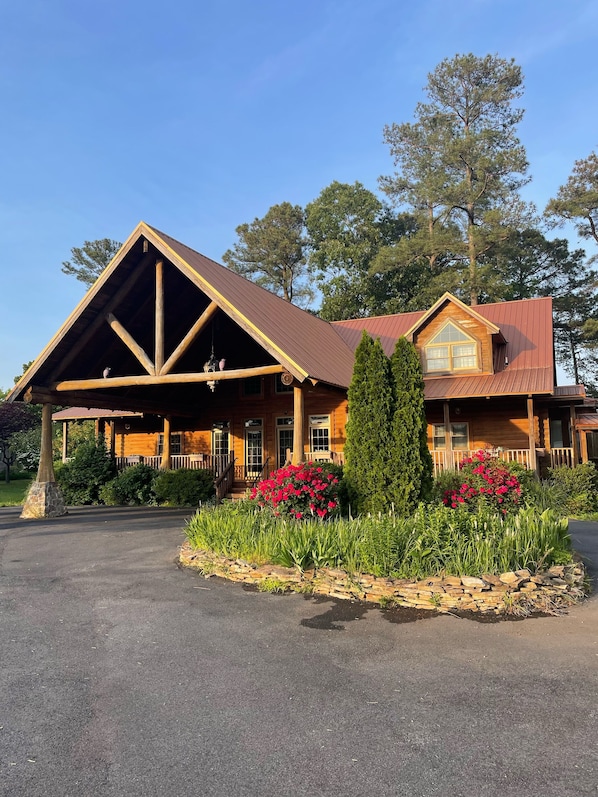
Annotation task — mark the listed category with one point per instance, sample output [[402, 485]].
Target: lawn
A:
[[13, 494]]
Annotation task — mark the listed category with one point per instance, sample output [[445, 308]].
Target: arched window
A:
[[451, 350]]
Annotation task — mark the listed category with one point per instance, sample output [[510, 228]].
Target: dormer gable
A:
[[453, 339]]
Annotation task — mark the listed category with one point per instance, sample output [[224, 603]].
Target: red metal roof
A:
[[526, 326]]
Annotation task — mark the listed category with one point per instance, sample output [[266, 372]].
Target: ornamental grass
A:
[[432, 541]]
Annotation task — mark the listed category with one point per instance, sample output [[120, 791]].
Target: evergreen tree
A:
[[369, 428], [90, 260], [409, 457]]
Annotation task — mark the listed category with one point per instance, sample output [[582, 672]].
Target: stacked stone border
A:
[[517, 592]]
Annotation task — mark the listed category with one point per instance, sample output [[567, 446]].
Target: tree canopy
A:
[[460, 165], [14, 419], [89, 260], [577, 200], [271, 252]]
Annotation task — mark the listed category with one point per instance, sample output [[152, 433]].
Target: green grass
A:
[[433, 541], [13, 494]]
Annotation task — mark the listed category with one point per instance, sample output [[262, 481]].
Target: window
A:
[[459, 436], [284, 438], [221, 438], [319, 432], [451, 350], [176, 443], [254, 451], [252, 386]]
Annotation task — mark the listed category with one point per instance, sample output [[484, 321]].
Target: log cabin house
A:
[[182, 362]]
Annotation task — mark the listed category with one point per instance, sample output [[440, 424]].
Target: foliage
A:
[[577, 200], [368, 428], [460, 165], [27, 447], [432, 541], [484, 479], [90, 260], [15, 418], [408, 454], [79, 432], [82, 478], [300, 491], [271, 252], [184, 487], [575, 489], [132, 487]]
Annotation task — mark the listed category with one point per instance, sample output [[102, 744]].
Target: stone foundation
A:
[[44, 499], [515, 593]]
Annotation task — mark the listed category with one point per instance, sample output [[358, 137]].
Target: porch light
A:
[[210, 367]]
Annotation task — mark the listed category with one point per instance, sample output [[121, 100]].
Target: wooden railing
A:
[[561, 458], [223, 483], [449, 460], [217, 463]]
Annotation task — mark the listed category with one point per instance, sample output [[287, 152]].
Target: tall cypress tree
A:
[[408, 453], [369, 428]]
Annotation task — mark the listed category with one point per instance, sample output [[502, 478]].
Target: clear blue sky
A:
[[198, 116]]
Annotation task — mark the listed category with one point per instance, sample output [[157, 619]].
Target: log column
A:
[[298, 421], [44, 499], [448, 437], [533, 463], [65, 440], [574, 441], [166, 462]]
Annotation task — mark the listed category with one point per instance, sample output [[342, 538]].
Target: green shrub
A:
[[576, 488], [132, 487], [82, 477], [184, 487]]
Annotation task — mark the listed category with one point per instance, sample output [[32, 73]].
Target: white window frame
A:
[[447, 351], [439, 434], [317, 423]]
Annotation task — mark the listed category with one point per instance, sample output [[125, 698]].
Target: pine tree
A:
[[369, 428], [408, 454]]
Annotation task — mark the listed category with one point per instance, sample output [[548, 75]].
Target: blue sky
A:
[[198, 116]]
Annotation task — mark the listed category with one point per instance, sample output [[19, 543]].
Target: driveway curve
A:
[[122, 674]]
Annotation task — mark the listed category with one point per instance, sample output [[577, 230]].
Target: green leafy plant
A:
[[132, 487], [575, 488], [82, 478], [184, 487], [485, 479]]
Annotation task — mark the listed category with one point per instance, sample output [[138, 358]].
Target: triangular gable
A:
[[445, 299], [301, 343]]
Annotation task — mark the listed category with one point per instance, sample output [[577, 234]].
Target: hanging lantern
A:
[[210, 367]]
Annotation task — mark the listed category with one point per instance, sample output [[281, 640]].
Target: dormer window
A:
[[451, 350]]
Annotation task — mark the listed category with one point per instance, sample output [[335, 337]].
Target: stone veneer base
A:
[[44, 500], [516, 593]]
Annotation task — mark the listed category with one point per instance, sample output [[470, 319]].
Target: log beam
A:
[[101, 401], [167, 379], [159, 348], [131, 344], [188, 339]]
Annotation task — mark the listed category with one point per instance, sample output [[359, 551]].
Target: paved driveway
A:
[[123, 675]]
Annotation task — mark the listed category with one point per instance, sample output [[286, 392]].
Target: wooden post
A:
[[574, 442], [583, 439], [45, 471], [159, 354], [166, 462], [533, 463], [448, 437], [65, 440], [298, 410], [113, 437]]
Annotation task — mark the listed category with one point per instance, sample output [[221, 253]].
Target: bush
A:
[[83, 476], [575, 489], [132, 487], [299, 491], [484, 479], [184, 487]]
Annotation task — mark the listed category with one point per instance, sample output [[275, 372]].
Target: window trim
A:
[[450, 356], [173, 444], [437, 435]]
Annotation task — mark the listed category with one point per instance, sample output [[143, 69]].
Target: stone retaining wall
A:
[[517, 592]]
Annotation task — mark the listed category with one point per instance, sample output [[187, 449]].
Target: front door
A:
[[254, 448], [284, 442]]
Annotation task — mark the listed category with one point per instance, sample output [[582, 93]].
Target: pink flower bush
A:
[[301, 491], [485, 478]]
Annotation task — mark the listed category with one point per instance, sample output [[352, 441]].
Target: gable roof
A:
[[307, 346]]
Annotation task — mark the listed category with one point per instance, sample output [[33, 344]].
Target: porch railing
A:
[[214, 462], [561, 458], [449, 460], [223, 483]]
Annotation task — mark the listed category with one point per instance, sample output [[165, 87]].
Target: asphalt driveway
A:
[[122, 674]]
